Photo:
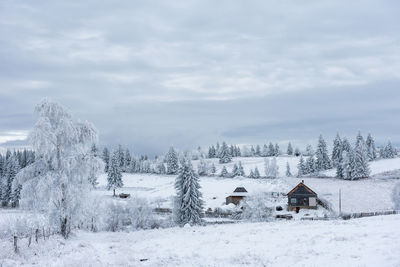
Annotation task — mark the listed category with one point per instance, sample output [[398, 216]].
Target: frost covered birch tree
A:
[[189, 203], [57, 182]]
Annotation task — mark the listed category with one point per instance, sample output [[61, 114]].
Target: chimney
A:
[[302, 181]]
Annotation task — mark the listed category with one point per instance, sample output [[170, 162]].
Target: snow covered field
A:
[[361, 242], [373, 194]]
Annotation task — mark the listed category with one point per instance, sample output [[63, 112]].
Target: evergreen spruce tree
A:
[[16, 196], [371, 148], [346, 145], [172, 162], [114, 177], [301, 167], [12, 168], [211, 152], [252, 152], [94, 150], [288, 173], [348, 165], [309, 166], [256, 173], [106, 158], [235, 170], [361, 165], [189, 198], [390, 151], [224, 172], [277, 151], [258, 151], [309, 150], [121, 157], [322, 162], [241, 170], [271, 150], [289, 149], [224, 155], [264, 152], [251, 175], [213, 170], [336, 151], [128, 159]]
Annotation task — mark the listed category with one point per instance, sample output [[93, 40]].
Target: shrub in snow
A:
[[57, 182], [271, 168], [257, 208]]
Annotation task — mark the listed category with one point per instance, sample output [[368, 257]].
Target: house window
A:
[[293, 200]]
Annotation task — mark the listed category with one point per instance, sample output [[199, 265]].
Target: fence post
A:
[[44, 234], [36, 235], [29, 240], [15, 244]]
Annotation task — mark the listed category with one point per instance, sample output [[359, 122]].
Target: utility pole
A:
[[340, 202]]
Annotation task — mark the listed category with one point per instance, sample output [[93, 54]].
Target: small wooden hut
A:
[[302, 197], [238, 194]]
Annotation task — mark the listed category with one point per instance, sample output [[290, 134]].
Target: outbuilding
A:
[[238, 194], [302, 197]]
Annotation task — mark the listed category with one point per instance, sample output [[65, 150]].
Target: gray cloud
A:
[[188, 73]]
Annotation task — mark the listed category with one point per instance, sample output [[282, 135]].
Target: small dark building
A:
[[236, 196], [302, 197]]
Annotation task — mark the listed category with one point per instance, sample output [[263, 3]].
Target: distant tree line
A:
[[10, 164]]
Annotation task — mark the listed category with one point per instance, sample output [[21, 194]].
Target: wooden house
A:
[[302, 197], [236, 196]]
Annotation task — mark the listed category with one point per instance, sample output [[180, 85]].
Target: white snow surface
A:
[[370, 241]]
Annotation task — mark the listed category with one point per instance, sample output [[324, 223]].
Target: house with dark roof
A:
[[238, 194], [302, 197]]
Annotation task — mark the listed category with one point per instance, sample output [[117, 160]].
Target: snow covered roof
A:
[[239, 192], [305, 188]]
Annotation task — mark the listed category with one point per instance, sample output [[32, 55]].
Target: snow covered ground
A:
[[370, 241], [373, 194]]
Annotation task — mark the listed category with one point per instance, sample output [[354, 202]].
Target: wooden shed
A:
[[302, 197], [238, 194]]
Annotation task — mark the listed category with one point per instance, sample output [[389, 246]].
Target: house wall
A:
[[233, 199]]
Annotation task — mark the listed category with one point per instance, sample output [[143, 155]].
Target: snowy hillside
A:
[[362, 242], [160, 189]]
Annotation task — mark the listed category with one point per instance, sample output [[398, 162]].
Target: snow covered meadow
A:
[[64, 204]]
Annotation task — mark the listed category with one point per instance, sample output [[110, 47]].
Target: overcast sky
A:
[[151, 74]]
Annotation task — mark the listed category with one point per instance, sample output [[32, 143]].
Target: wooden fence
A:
[[36, 234], [368, 214]]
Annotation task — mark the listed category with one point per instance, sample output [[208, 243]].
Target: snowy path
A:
[[361, 242]]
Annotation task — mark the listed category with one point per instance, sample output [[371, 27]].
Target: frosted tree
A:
[[309, 150], [271, 150], [121, 157], [106, 158], [11, 170], [271, 168], [16, 196], [346, 145], [301, 167], [189, 203], [336, 151], [224, 155], [211, 152], [202, 168], [114, 175], [256, 173], [251, 175], [240, 169], [127, 159], [289, 149], [371, 149], [235, 170], [390, 151], [361, 165], [57, 182], [322, 159], [172, 161], [348, 165], [160, 168], [213, 170], [224, 172], [93, 171], [258, 151], [277, 150], [310, 165], [339, 165], [264, 152], [288, 173], [94, 150]]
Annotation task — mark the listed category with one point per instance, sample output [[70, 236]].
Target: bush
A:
[[257, 208]]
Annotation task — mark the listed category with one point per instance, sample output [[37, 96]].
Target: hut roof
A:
[[239, 192], [302, 186]]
